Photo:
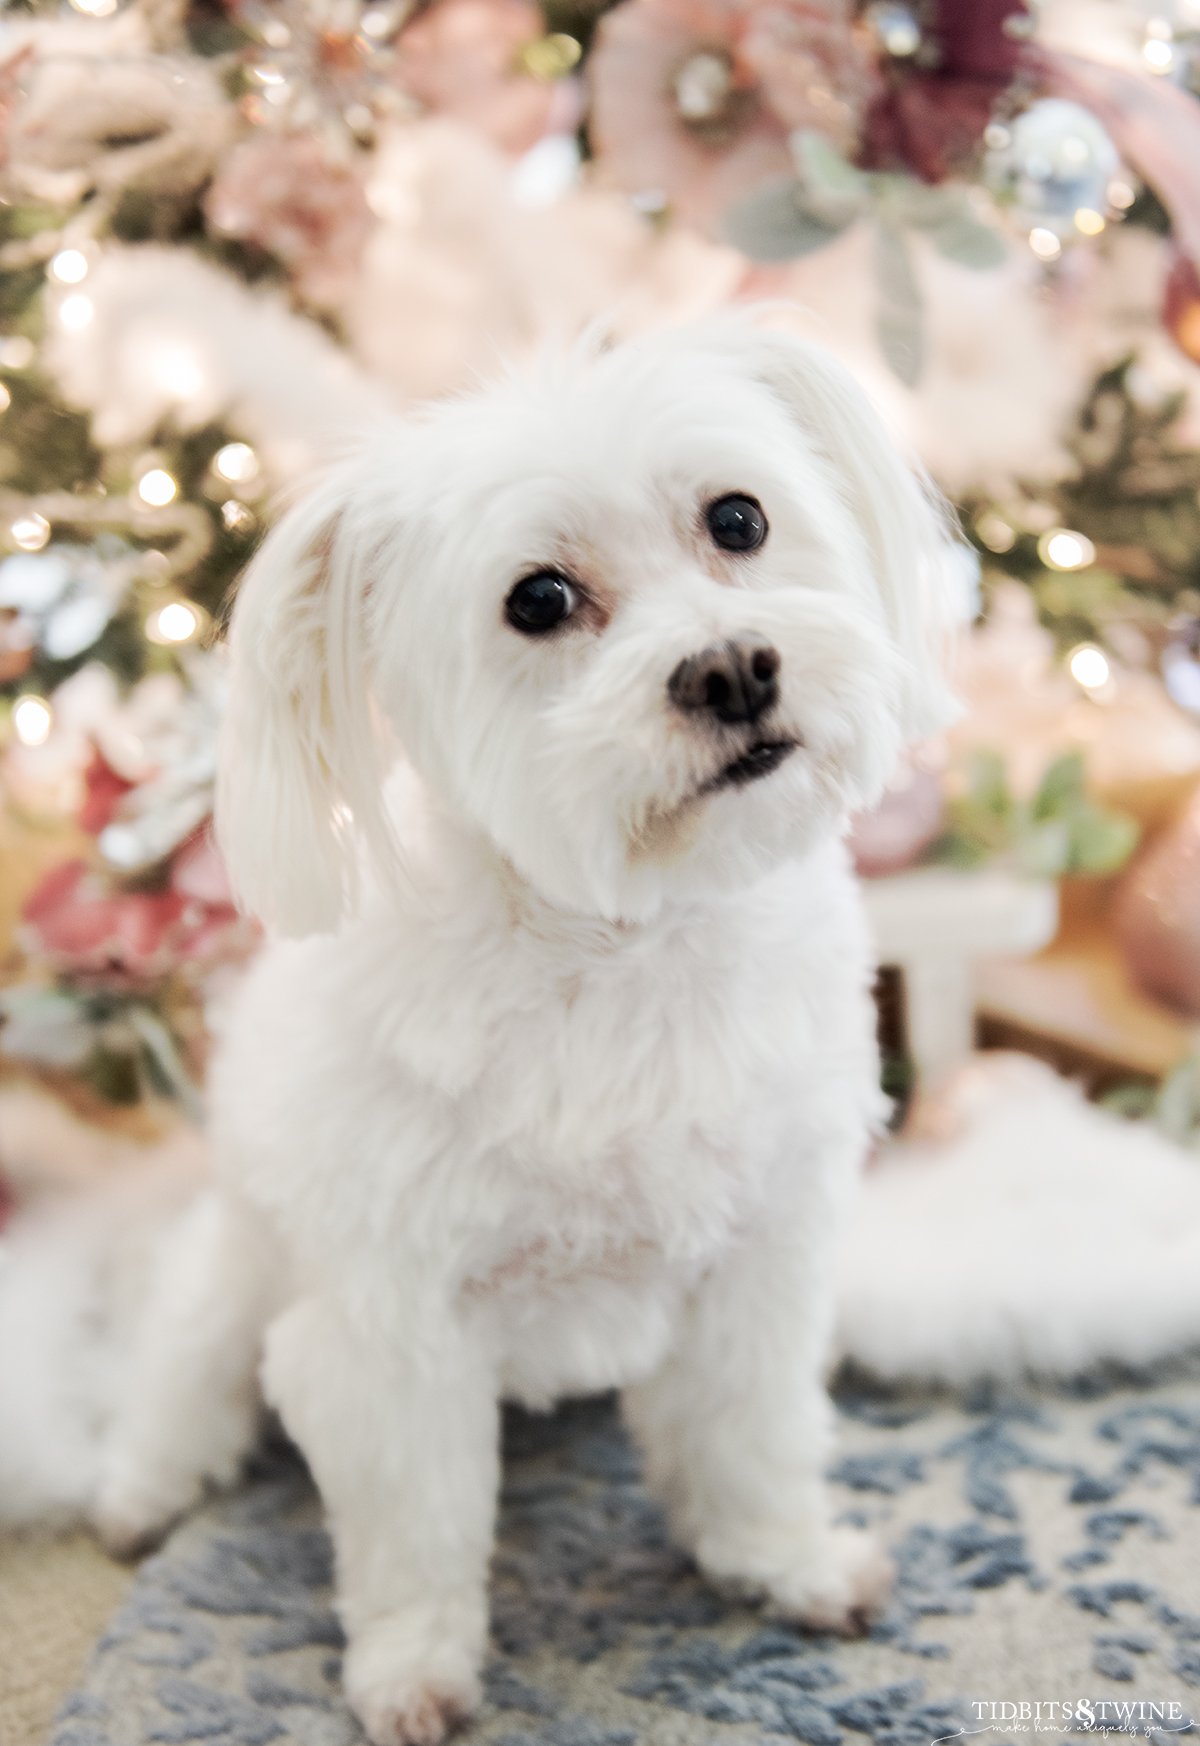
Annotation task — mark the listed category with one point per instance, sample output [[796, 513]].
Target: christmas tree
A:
[[233, 233]]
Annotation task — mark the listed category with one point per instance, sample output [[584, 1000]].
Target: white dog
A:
[[570, 1088]]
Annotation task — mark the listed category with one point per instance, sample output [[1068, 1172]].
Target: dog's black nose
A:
[[732, 681]]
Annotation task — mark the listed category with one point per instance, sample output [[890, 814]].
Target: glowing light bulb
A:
[[1121, 195], [69, 266], [32, 719], [1089, 222], [1044, 243], [176, 622], [95, 8], [75, 312], [178, 372], [30, 531], [16, 352], [235, 516], [236, 463], [1158, 54], [5, 398], [1060, 548], [1089, 667], [157, 488]]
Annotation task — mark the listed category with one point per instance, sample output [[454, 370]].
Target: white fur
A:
[[576, 1094]]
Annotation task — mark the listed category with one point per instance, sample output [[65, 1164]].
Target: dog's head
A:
[[650, 619]]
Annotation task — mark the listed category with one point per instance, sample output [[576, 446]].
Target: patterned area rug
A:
[[1048, 1546]]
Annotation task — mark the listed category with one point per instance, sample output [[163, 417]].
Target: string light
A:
[[1044, 243], [75, 312], [32, 719], [1158, 49], [157, 488], [1089, 222], [30, 531], [236, 463], [1121, 195], [69, 266], [175, 622], [16, 352], [552, 57], [1060, 548], [178, 371], [236, 517], [1089, 667], [95, 8], [5, 398]]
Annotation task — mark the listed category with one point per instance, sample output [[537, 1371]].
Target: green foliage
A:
[[1174, 1106], [119, 1043], [1057, 830], [1134, 492]]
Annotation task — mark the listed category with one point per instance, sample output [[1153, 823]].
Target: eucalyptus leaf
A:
[[987, 783], [1061, 785], [1101, 842], [772, 225], [832, 189], [899, 321], [46, 1026], [965, 240], [1178, 1106], [163, 1060], [1045, 849]]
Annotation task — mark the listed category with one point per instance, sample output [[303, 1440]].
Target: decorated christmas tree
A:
[[233, 234]]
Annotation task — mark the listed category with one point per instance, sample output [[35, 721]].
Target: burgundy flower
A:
[[931, 120]]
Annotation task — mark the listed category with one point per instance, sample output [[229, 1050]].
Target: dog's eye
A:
[[737, 523], [538, 603]]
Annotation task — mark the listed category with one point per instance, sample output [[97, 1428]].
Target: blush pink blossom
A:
[[463, 58], [693, 100], [283, 193]]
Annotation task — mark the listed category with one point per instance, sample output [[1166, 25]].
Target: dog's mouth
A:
[[759, 760]]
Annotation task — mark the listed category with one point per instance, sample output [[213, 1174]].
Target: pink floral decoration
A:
[[122, 938], [103, 792], [693, 100], [283, 193], [462, 58]]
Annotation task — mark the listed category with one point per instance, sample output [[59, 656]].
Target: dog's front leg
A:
[[400, 1429], [736, 1426]]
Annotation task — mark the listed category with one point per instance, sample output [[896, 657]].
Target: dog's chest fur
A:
[[561, 1116]]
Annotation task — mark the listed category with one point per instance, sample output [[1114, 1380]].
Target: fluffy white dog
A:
[[569, 1086]]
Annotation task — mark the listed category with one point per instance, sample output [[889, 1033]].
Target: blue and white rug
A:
[[1048, 1546]]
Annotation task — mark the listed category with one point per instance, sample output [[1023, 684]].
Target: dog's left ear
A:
[[906, 525], [301, 762]]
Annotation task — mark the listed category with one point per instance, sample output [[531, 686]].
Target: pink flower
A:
[[283, 193], [462, 58], [84, 926], [693, 100], [103, 792]]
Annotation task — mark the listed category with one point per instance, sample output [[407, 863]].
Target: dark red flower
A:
[[931, 121]]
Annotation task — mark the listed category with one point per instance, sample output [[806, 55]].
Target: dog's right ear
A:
[[301, 763]]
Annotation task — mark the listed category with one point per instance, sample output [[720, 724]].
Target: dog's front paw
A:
[[407, 1682], [132, 1518], [842, 1586], [829, 1578]]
